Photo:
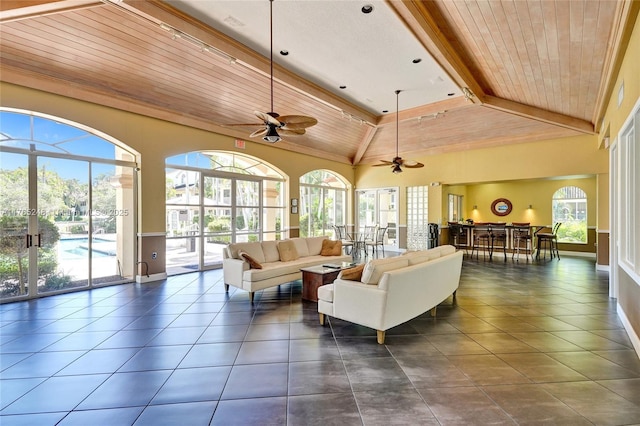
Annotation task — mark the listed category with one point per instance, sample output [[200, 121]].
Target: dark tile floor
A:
[[527, 343]]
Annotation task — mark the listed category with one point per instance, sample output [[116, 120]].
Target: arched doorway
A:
[[68, 197]]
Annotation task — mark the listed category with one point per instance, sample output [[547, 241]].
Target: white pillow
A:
[[375, 268]]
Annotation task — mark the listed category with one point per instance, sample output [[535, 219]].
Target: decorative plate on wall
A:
[[501, 207]]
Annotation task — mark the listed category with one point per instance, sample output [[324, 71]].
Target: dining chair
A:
[[522, 234], [341, 235], [548, 239], [378, 241]]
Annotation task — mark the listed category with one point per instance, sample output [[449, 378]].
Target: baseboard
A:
[[635, 340], [150, 278], [603, 268], [577, 254]]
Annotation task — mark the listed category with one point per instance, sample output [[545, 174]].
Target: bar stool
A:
[[548, 239], [522, 233], [498, 233], [458, 236], [481, 239]]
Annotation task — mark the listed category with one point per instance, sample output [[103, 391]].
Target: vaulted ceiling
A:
[[473, 74]]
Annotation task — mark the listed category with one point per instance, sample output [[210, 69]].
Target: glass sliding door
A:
[[379, 207], [217, 218], [62, 186], [16, 228]]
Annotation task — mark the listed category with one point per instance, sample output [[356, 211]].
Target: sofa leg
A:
[[380, 336], [322, 318], [455, 301], [226, 288], [251, 293], [433, 311]]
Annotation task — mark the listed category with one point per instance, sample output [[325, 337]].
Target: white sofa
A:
[[238, 273], [393, 290]]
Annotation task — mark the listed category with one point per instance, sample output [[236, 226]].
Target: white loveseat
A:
[[393, 290], [238, 272]]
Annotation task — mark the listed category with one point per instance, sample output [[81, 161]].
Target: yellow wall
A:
[[538, 193]]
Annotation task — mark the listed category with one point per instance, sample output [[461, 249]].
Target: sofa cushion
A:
[[270, 250], [315, 244], [325, 292], [301, 246], [374, 269], [253, 264], [252, 249], [287, 250], [331, 248], [422, 256], [352, 274]]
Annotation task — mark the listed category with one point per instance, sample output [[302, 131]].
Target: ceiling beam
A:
[[15, 10], [364, 145], [424, 111], [538, 114]]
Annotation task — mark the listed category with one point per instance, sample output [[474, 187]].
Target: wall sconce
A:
[[530, 206], [475, 207]]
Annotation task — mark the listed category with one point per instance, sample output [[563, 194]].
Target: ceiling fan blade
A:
[[291, 132], [297, 121], [259, 132], [267, 118], [412, 164]]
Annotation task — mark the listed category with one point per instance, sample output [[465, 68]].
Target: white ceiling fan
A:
[[273, 124], [398, 163]]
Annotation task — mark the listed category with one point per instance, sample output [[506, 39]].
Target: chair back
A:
[[556, 226], [341, 232], [380, 235]]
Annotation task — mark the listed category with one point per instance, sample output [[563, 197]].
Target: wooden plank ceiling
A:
[[536, 70]]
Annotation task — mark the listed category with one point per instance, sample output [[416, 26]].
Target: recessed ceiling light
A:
[[284, 52], [367, 8], [343, 87], [384, 111], [450, 94], [417, 60]]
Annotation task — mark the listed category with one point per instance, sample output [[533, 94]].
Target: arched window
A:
[[68, 206], [323, 202], [214, 198], [570, 208]]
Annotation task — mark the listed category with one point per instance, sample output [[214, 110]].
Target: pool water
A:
[[78, 248]]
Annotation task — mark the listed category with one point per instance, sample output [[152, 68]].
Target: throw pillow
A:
[[253, 264], [287, 250], [331, 248], [352, 274]]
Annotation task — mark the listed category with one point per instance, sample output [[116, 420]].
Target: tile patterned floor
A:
[[527, 343]]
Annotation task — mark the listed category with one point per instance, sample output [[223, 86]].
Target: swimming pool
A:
[[78, 248]]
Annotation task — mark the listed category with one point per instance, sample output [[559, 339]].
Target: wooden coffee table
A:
[[316, 276]]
